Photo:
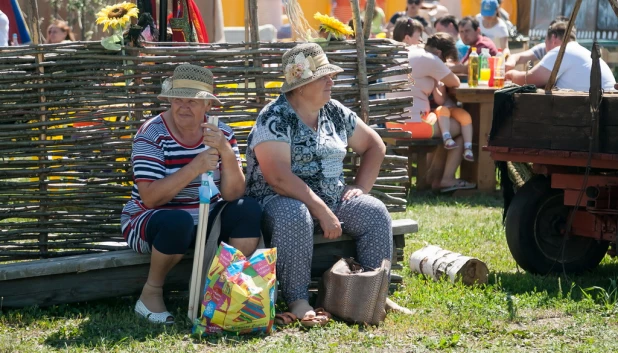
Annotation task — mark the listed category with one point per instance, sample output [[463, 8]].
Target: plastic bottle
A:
[[484, 65], [492, 65], [473, 68], [15, 42], [499, 70]]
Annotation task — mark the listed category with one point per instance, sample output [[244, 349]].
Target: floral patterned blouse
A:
[[317, 156]]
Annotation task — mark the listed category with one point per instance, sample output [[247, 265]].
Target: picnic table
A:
[[479, 102]]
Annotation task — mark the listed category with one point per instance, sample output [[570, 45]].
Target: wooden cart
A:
[[558, 195], [564, 215]]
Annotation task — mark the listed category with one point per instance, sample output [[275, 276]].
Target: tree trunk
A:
[[436, 262]]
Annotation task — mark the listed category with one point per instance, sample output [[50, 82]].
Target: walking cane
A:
[[197, 279]]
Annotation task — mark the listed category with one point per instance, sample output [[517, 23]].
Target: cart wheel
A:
[[535, 223]]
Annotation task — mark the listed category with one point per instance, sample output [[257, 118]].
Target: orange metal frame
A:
[[595, 217]]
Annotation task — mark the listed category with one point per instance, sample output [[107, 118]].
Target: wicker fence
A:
[[68, 113]]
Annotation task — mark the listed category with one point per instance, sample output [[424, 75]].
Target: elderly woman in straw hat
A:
[[295, 170], [169, 155]]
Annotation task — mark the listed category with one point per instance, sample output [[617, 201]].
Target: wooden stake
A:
[[247, 39], [362, 63], [162, 20], [554, 73], [197, 274], [369, 9], [39, 58], [255, 39]]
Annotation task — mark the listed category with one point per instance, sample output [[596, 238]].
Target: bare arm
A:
[[457, 68], [275, 162], [538, 76], [162, 191], [368, 144], [451, 80], [438, 94], [519, 58]]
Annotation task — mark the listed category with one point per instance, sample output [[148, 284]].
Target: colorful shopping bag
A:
[[239, 293]]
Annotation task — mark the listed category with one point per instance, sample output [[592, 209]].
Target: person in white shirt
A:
[[4, 30], [538, 51], [574, 71], [493, 26]]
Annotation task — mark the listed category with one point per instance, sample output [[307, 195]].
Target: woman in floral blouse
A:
[[295, 170]]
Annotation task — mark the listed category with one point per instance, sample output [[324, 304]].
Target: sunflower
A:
[[117, 16], [333, 26]]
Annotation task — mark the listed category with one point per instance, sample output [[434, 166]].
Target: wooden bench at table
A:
[[417, 150], [123, 272]]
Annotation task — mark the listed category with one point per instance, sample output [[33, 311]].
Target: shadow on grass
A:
[[112, 323], [438, 199], [556, 285]]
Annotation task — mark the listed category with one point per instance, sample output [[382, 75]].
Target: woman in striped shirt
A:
[[170, 152]]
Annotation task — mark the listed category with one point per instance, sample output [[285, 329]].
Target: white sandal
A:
[[156, 318]]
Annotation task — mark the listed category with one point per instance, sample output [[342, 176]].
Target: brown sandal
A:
[[319, 318], [284, 319]]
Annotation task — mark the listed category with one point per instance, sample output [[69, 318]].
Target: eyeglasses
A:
[[414, 2]]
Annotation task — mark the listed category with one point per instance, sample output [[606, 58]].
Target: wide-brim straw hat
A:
[[190, 82], [305, 63]]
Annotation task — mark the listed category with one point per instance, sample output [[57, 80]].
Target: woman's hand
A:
[[214, 137], [205, 161], [352, 191], [330, 224]]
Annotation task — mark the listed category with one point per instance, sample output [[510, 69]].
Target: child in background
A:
[[443, 107], [447, 109]]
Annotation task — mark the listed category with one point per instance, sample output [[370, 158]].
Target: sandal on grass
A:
[[468, 155], [450, 144], [284, 319], [317, 317]]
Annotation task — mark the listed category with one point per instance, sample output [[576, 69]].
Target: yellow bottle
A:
[[473, 68]]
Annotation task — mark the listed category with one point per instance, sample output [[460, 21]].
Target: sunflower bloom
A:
[[333, 26], [117, 16]]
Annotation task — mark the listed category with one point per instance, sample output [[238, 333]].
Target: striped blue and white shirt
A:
[[158, 154]]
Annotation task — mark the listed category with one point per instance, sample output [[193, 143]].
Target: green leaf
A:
[[109, 43]]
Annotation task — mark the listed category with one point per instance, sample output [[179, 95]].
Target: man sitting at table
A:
[[470, 34], [448, 24], [574, 73], [538, 51]]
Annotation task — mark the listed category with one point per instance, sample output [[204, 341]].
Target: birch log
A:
[[436, 262]]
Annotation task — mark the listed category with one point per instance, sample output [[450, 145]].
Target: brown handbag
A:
[[355, 293]]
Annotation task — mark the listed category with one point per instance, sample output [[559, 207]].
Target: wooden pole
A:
[[247, 39], [162, 21], [39, 58], [255, 39], [596, 95], [554, 72], [369, 9], [197, 274], [362, 62]]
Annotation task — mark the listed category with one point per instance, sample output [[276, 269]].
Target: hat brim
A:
[[320, 72], [188, 93]]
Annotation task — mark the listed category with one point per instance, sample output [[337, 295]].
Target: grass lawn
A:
[[516, 312]]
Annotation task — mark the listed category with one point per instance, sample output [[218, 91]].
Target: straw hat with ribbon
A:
[[191, 82], [305, 63]]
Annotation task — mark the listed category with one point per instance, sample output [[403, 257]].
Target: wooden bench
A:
[[123, 272]]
